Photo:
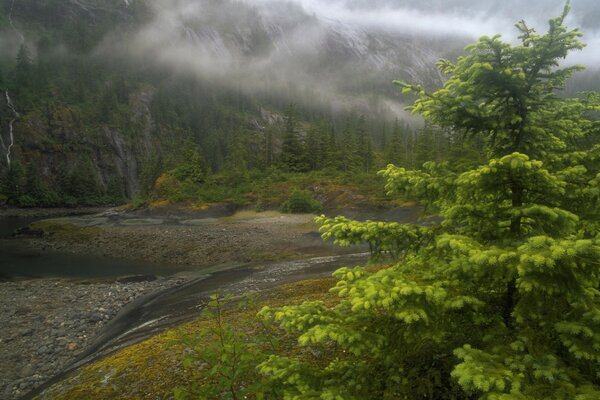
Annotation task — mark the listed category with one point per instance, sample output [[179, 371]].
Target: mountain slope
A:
[[110, 92]]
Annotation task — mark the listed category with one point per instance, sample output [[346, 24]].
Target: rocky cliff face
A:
[[56, 140]]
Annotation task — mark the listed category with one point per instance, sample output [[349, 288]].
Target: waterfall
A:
[[10, 125], [10, 21], [8, 99]]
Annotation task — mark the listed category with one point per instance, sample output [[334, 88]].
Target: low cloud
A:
[[337, 53], [318, 49]]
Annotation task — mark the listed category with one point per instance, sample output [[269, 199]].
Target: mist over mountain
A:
[[335, 49], [341, 53], [119, 87]]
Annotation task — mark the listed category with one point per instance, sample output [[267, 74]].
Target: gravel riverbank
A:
[[46, 324], [198, 242]]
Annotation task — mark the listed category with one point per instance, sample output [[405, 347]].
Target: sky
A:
[[468, 18]]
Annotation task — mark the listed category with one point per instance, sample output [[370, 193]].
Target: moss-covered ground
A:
[[153, 368]]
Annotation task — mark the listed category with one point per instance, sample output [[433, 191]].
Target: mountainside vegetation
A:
[[96, 126], [100, 120]]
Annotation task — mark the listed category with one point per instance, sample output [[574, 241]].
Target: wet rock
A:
[[136, 278], [94, 317], [46, 324], [28, 232], [27, 370], [26, 332]]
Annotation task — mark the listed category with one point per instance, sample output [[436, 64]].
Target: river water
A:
[[155, 312], [18, 261]]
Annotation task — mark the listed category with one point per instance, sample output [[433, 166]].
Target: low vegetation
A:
[[197, 358], [290, 192]]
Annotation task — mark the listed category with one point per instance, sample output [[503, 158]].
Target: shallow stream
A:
[[19, 262]]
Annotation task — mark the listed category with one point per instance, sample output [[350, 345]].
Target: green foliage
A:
[[500, 299], [293, 155], [191, 169], [507, 95], [226, 358], [301, 201]]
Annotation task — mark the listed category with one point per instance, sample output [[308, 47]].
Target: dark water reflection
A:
[[18, 261]]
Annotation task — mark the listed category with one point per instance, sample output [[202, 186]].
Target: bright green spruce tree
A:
[[499, 301]]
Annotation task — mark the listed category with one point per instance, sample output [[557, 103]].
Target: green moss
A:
[[64, 229], [153, 368]]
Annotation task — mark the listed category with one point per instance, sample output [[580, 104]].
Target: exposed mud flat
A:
[[194, 241]]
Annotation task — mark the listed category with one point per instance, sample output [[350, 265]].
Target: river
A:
[[17, 261], [156, 311]]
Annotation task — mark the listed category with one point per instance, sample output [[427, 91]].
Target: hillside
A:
[[111, 94]]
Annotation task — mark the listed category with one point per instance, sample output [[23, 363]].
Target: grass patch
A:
[[63, 229]]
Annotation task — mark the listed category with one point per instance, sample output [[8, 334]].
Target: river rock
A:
[[136, 278], [29, 232], [47, 323]]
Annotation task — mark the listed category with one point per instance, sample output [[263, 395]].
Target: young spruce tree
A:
[[499, 301]]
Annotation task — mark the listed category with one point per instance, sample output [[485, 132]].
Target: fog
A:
[[333, 51], [338, 53], [460, 18]]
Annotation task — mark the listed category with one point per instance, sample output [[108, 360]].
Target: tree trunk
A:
[[517, 201]]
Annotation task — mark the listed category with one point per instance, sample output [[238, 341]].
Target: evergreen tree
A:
[[332, 151], [500, 301], [269, 148], [24, 61], [348, 157], [430, 144], [14, 182], [293, 155], [24, 74], [192, 167], [395, 151], [314, 148], [236, 165], [82, 183], [401, 148], [364, 144]]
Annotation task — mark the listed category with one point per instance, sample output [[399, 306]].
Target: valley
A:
[[299, 199]]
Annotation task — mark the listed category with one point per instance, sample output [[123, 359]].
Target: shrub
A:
[[225, 357], [300, 202]]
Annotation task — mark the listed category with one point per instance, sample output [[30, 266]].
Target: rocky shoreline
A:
[[47, 324], [184, 242]]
